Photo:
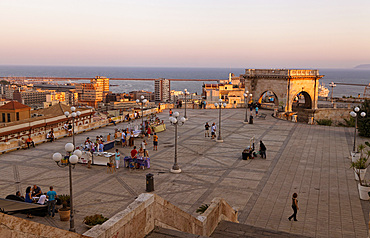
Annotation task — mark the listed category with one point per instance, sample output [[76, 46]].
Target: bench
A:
[[262, 115]]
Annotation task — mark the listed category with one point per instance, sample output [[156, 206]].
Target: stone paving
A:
[[310, 160]]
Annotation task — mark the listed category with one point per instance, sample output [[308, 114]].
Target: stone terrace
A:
[[310, 160]]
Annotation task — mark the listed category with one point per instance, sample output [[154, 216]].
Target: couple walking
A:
[[213, 130]]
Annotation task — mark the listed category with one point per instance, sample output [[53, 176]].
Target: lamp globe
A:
[[57, 157], [73, 159], [78, 153], [69, 147]]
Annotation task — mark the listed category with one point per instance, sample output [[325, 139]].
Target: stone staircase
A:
[[226, 229], [231, 229]]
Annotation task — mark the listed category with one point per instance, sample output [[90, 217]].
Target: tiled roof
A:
[[13, 105]]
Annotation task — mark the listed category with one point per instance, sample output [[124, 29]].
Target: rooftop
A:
[[14, 105]]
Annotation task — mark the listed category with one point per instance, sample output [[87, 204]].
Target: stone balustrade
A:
[[150, 210], [11, 136]]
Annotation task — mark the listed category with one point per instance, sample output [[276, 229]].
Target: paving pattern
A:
[[310, 160]]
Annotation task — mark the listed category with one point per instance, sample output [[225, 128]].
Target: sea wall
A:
[[150, 210]]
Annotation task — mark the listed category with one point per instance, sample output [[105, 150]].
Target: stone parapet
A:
[[14, 134], [150, 210], [11, 226]]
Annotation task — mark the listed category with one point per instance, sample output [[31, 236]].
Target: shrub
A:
[[324, 122], [95, 220], [202, 208], [65, 199]]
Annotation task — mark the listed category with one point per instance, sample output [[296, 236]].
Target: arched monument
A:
[[287, 86]]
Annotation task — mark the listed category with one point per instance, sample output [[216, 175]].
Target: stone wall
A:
[[150, 210], [337, 115], [11, 226]]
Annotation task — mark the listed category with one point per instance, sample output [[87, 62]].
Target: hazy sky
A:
[[187, 33]]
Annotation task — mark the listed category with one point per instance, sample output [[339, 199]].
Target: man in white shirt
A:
[[42, 199], [213, 130]]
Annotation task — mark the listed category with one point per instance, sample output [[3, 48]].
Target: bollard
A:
[[250, 119], [149, 183]]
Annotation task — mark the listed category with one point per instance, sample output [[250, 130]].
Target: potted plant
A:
[[93, 220], [360, 167], [65, 211], [355, 155]]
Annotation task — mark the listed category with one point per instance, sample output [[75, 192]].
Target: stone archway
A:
[[285, 83], [266, 96]]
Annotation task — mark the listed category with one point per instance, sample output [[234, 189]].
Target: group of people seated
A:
[[68, 127], [35, 195], [96, 146], [139, 156], [50, 136]]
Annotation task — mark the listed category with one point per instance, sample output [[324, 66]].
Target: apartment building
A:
[[137, 95], [32, 98], [162, 90]]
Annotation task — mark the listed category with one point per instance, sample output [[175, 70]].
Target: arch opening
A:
[[269, 98], [302, 101]]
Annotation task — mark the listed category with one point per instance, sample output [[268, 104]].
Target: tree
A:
[[364, 122]]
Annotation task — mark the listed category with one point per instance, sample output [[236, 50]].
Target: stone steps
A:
[[231, 230]]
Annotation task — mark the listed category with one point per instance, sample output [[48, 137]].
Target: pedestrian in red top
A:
[[149, 131]]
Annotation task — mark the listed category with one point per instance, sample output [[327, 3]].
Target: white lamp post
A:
[[74, 115], [219, 104], [72, 161], [332, 85], [185, 93], [142, 101], [354, 114], [176, 122], [246, 101]]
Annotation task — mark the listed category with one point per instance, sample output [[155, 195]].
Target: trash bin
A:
[[250, 119], [149, 183]]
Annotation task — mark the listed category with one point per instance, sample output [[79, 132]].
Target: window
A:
[[8, 117], [17, 116], [4, 117]]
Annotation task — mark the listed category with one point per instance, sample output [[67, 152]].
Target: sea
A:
[[349, 76]]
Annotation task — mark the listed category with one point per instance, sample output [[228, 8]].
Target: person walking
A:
[[213, 130], [155, 141], [295, 207], [51, 195], [256, 111], [262, 150], [143, 145], [170, 113], [118, 158], [206, 128]]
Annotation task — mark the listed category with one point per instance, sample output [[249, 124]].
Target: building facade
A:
[[14, 111], [162, 90]]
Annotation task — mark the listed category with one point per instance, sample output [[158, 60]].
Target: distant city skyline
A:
[[163, 33]]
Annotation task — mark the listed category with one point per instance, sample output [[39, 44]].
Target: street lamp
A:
[[332, 85], [354, 114], [74, 114], [72, 159], [176, 122], [246, 101], [142, 102], [185, 93], [219, 104]]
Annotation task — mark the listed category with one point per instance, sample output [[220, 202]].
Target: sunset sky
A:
[[172, 33]]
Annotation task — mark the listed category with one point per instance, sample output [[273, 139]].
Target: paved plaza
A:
[[309, 160]]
